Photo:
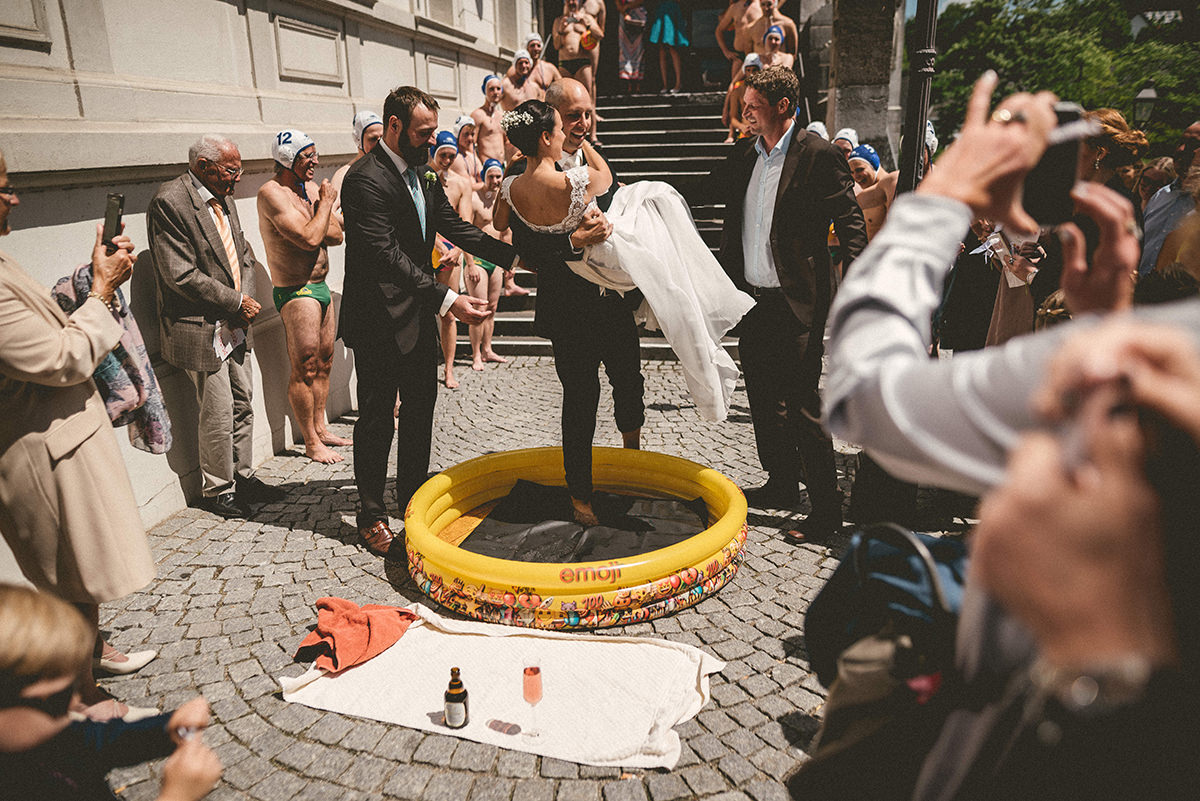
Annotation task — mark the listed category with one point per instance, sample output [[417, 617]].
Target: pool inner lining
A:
[[534, 523]]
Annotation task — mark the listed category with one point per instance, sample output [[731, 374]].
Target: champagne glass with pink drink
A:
[[531, 690]]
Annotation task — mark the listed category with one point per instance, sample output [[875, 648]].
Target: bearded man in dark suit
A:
[[393, 207], [781, 189]]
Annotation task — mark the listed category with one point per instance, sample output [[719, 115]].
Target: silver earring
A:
[[1096, 164]]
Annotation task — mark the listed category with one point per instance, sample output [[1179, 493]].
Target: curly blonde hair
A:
[[1122, 144]]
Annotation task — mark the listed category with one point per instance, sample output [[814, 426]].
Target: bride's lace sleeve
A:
[[578, 176], [504, 185]]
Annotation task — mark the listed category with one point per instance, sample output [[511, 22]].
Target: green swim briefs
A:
[[485, 264], [318, 292]]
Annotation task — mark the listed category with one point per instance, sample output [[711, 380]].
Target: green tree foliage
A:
[[1082, 50]]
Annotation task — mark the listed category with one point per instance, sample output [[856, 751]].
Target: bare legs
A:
[[594, 55], [309, 330], [485, 286], [94, 701], [90, 692], [510, 284], [477, 286], [676, 62], [451, 275], [321, 382], [586, 76]]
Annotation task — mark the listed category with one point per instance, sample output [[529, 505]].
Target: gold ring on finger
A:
[[1006, 117]]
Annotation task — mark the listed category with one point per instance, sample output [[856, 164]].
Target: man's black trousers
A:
[[382, 373], [781, 362], [610, 338]]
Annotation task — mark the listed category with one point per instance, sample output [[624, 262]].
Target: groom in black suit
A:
[[586, 327], [390, 301], [781, 189]]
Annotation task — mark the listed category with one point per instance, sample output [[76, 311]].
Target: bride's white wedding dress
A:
[[656, 248]]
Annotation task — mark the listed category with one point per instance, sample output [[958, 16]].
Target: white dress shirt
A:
[[206, 197], [570, 160], [759, 210], [402, 166]]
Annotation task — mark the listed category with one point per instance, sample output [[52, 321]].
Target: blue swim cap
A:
[[487, 165], [488, 79], [774, 29], [444, 139], [866, 153]]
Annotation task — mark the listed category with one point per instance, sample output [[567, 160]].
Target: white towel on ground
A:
[[606, 700]]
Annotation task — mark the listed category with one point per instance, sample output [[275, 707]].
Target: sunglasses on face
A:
[[54, 705]]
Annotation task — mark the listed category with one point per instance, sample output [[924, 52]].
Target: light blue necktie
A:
[[413, 179]]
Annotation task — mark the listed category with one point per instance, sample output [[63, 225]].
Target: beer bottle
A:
[[456, 701]]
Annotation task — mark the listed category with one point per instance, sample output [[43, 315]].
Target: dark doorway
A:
[[703, 63]]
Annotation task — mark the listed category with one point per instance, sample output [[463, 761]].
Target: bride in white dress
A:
[[654, 247]]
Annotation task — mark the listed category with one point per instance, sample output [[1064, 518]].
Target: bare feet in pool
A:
[[584, 515]]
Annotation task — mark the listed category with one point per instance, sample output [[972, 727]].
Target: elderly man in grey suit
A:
[[204, 274]]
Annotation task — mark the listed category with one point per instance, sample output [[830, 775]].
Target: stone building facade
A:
[[854, 53], [106, 96]]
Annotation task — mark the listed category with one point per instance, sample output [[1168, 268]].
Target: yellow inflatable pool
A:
[[583, 595]]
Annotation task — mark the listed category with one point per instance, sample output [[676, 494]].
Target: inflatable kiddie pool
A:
[[577, 595]]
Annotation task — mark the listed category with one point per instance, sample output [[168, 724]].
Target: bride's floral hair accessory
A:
[[512, 119], [525, 125]]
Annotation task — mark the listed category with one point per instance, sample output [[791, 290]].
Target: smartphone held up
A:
[[113, 211]]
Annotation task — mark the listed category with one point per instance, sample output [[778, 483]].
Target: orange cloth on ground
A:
[[347, 634]]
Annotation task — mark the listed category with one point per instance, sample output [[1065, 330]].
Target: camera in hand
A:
[[1048, 185]]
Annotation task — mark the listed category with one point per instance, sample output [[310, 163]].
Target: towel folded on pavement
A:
[[348, 634]]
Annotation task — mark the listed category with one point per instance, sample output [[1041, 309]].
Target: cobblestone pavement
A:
[[234, 598]]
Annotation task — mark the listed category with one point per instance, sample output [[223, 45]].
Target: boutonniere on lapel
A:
[[430, 178]]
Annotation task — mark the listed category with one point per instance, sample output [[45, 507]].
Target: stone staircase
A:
[[671, 138]]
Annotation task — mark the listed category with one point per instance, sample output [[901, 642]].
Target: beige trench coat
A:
[[67, 511]]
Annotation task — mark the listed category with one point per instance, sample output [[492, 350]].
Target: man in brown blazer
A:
[[204, 274], [781, 189]]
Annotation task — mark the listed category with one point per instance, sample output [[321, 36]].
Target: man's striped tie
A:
[[227, 240]]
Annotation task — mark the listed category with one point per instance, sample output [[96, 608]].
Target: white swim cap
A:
[[289, 144], [931, 140], [849, 134], [362, 121], [533, 37], [462, 122], [818, 127]]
